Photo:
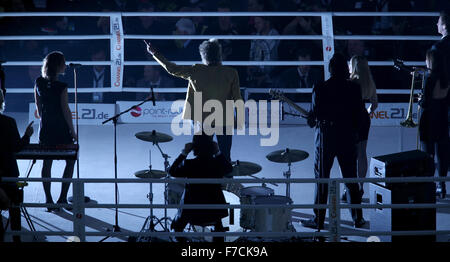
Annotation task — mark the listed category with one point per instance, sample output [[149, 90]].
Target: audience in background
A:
[[263, 50], [97, 76], [303, 76], [233, 50], [154, 78]]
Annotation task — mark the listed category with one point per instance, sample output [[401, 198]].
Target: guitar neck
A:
[[302, 111]]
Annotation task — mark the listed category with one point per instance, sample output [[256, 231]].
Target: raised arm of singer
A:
[[212, 79]]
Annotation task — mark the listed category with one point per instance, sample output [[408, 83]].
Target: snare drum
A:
[[273, 219], [174, 192], [247, 196]]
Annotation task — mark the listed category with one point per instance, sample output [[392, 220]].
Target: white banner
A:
[[328, 42], [387, 114], [88, 114], [117, 51], [147, 113], [391, 114]]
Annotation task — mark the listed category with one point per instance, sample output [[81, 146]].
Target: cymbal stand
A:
[[166, 169], [287, 175], [151, 220], [114, 119]]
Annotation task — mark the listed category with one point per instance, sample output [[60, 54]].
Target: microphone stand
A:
[[86, 198], [116, 227]]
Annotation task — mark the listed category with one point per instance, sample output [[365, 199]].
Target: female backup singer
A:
[[56, 127], [360, 74], [433, 126]]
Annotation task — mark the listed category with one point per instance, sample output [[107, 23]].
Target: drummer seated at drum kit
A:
[[209, 162]]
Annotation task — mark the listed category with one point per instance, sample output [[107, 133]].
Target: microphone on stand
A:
[[153, 95], [74, 65]]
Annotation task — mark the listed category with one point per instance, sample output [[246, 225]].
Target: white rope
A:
[[214, 14], [386, 37], [231, 37], [385, 14], [234, 63], [183, 90], [55, 37], [231, 180], [39, 63]]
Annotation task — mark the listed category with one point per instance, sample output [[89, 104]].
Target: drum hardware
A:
[[288, 156], [273, 219], [247, 197], [114, 119], [245, 168], [263, 183], [155, 138], [152, 220]]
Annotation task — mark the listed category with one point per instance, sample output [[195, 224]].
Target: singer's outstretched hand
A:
[[151, 49]]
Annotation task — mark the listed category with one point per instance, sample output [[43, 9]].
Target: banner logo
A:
[[136, 112]]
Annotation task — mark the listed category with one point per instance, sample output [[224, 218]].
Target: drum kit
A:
[[155, 138], [277, 219]]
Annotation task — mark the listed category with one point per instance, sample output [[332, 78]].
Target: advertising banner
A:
[[147, 113], [391, 114], [88, 114], [117, 51], [387, 114]]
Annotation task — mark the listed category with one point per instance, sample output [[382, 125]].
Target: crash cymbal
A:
[[150, 174], [287, 156], [154, 137], [244, 168]]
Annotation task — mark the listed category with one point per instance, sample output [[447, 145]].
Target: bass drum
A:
[[273, 219], [247, 197]]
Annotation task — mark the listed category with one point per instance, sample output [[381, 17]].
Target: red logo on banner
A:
[[136, 112]]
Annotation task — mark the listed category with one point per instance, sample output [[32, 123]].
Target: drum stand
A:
[[152, 220], [287, 175], [166, 169]]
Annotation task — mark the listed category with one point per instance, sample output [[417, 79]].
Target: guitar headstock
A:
[[399, 64], [276, 94]]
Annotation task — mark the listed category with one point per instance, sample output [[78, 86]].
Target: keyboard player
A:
[[10, 143]]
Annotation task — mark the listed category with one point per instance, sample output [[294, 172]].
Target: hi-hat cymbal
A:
[[287, 156], [154, 137], [150, 174], [244, 168]]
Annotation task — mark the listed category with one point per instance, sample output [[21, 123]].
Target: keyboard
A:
[[54, 152]]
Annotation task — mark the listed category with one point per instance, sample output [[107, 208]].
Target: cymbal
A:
[[244, 168], [150, 174], [287, 156], [154, 137]]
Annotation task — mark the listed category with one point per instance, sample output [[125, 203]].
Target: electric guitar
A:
[[400, 65], [280, 96]]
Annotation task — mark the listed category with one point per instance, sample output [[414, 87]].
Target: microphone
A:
[[74, 65], [153, 95]]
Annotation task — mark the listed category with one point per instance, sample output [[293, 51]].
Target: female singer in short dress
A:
[[360, 74], [56, 127]]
